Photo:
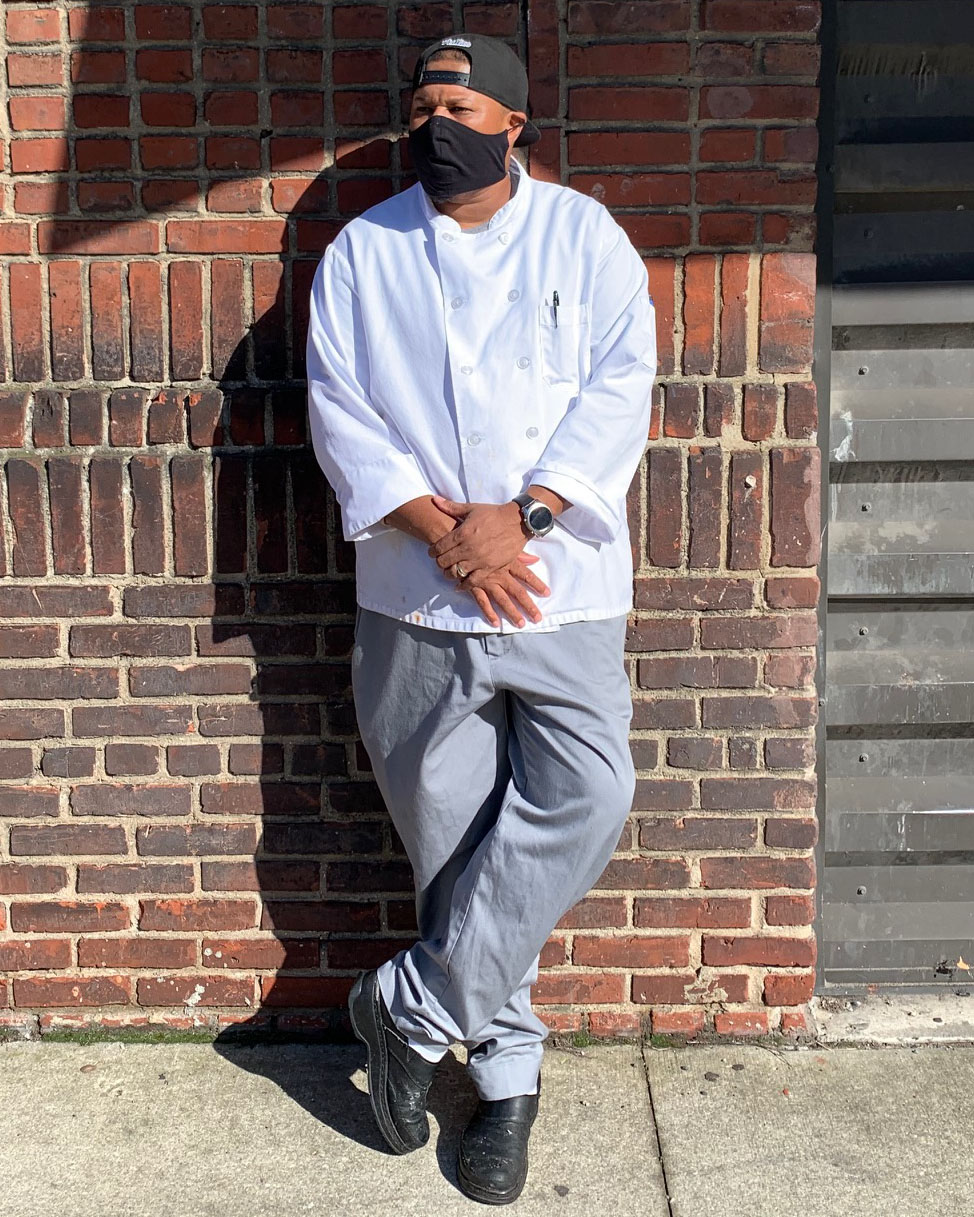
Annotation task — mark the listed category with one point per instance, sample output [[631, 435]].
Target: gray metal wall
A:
[[898, 876]]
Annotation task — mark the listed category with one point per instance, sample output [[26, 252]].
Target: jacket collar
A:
[[510, 213]]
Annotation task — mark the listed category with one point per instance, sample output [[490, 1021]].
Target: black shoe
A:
[[399, 1078], [493, 1162]]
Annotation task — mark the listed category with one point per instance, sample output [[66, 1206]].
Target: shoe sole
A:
[[484, 1195], [373, 1038]]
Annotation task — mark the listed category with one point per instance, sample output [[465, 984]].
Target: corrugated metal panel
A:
[[898, 881]]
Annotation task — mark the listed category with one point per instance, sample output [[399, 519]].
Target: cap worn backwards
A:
[[494, 71]]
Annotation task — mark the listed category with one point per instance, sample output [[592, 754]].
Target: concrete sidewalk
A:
[[211, 1130]]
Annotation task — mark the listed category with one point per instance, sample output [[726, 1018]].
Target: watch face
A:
[[541, 518]]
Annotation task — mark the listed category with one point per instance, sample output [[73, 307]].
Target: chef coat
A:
[[437, 363]]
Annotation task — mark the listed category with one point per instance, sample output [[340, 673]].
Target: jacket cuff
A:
[[591, 517]]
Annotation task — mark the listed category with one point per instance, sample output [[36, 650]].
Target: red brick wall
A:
[[188, 830]]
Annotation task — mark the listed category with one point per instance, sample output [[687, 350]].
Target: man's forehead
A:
[[448, 93]]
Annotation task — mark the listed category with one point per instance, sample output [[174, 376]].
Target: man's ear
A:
[[516, 120]]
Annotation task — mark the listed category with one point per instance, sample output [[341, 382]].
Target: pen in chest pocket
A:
[[554, 306]]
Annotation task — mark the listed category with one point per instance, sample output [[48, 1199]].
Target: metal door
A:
[[897, 247]]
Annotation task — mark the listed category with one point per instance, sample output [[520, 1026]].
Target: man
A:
[[481, 354]]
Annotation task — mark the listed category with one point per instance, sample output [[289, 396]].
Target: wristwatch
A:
[[537, 516]]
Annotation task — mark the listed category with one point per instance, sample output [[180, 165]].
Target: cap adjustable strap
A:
[[443, 78]]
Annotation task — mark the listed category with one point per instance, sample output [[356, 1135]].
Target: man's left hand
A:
[[488, 536]]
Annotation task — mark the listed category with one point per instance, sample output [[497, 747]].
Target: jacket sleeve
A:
[[362, 454], [593, 453]]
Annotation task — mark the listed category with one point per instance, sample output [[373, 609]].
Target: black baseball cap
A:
[[494, 70]]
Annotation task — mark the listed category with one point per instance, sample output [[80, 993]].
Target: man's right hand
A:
[[508, 589]]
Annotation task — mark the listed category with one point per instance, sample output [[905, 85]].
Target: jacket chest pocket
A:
[[564, 342]]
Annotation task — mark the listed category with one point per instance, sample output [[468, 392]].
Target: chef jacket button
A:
[[524, 362], [504, 237], [474, 438], [466, 369], [456, 302], [448, 236], [513, 294], [531, 432]]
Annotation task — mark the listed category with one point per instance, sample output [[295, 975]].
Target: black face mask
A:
[[451, 158]]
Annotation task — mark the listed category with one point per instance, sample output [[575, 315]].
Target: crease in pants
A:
[[504, 762]]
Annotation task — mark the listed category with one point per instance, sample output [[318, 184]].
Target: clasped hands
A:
[[484, 553]]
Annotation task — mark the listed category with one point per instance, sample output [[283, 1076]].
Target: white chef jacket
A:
[[436, 364]]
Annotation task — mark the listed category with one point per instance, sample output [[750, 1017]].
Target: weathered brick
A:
[[698, 912], [757, 872], [697, 832]]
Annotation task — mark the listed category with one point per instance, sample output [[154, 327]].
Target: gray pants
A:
[[504, 762]]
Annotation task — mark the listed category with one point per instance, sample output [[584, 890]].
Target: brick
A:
[[792, 591], [23, 801], [629, 59], [45, 684], [792, 833], [305, 991], [789, 910], [664, 713], [607, 1024], [704, 509], [31, 955], [197, 990], [21, 724], [788, 990], [740, 1023], [699, 314], [787, 312], [727, 228], [687, 1023], [327, 916], [789, 753], [665, 527], [45, 991], [791, 145], [181, 840], [781, 630], [116, 639], [579, 989], [263, 953], [121, 878], [777, 951], [661, 989], [757, 872], [662, 794], [65, 490], [660, 634], [757, 794], [197, 914], [26, 506], [68, 762], [801, 410], [643, 874], [595, 913], [762, 16], [697, 832], [131, 720], [760, 414], [67, 916], [192, 760], [789, 671], [66, 839], [131, 759], [728, 144], [757, 711], [717, 59], [720, 403], [16, 763], [754, 187], [742, 752], [747, 478], [636, 17], [136, 952], [699, 912], [632, 951], [260, 875], [759, 101], [795, 509], [694, 752], [28, 641]]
